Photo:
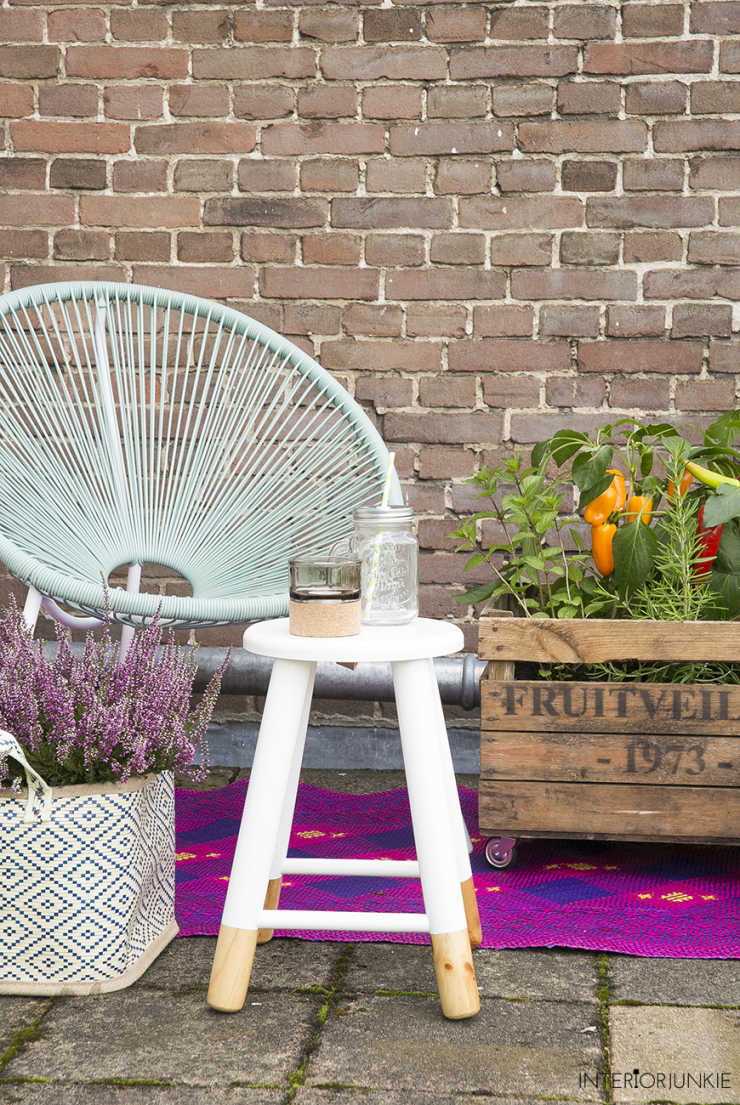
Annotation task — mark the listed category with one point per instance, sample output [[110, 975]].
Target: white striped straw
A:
[[378, 538]]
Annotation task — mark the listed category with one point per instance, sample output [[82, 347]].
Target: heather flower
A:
[[95, 720]]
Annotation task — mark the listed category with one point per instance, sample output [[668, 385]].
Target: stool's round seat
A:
[[421, 639]]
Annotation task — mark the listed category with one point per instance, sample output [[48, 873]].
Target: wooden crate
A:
[[608, 761]]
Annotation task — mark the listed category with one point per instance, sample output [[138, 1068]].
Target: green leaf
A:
[[589, 470], [724, 429], [634, 548], [479, 594], [567, 611], [723, 505], [593, 492], [577, 539], [539, 452], [565, 443]]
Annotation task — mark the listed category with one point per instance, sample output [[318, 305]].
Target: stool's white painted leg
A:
[[460, 835], [258, 834], [434, 833], [272, 898], [32, 607]]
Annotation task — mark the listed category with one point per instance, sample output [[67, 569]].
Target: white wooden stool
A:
[[442, 843]]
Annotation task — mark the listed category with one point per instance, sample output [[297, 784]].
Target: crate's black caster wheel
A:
[[501, 851]]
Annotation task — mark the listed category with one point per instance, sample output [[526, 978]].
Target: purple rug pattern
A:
[[642, 899]]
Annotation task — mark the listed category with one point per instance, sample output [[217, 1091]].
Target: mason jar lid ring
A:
[[378, 515]]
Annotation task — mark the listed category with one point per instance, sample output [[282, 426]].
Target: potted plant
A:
[[611, 705], [87, 849]]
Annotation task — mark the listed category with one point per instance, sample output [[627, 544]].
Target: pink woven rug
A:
[[643, 899]]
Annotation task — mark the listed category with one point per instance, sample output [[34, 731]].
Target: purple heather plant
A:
[[94, 720]]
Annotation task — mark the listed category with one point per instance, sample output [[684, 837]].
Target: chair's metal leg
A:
[[133, 583]]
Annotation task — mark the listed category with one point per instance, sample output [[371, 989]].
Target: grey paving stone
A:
[[17, 1013], [358, 781], [535, 973], [310, 1096], [278, 965], [675, 981], [20, 1093], [217, 777], [512, 1048], [672, 1042], [170, 1038]]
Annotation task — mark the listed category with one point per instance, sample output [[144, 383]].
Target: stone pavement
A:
[[330, 1023]]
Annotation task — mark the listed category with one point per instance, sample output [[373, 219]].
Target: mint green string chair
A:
[[141, 425]]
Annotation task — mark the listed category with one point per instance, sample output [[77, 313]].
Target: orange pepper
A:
[[683, 487], [599, 509], [618, 482], [601, 547], [636, 504]]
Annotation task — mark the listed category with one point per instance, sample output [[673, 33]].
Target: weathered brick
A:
[[21, 26], [379, 320], [212, 282], [432, 534], [142, 245], [649, 211], [715, 97], [371, 63], [521, 249], [447, 284], [720, 174], [635, 322], [653, 176], [328, 283], [17, 100], [263, 26], [656, 246], [447, 391], [394, 356], [574, 391], [329, 26], [511, 391], [435, 320], [316, 138], [714, 249], [427, 499], [431, 139], [18, 210], [589, 176], [70, 137], [310, 318], [696, 134], [569, 322], [376, 214], [715, 18], [139, 211], [456, 25], [648, 57], [206, 100], [24, 276], [331, 249], [691, 320], [512, 212], [22, 172], [145, 102], [81, 245], [329, 176], [392, 25], [263, 102], [198, 247], [23, 244], [87, 25], [584, 136], [252, 63], [327, 102], [526, 176], [674, 358], [458, 249], [572, 284], [394, 250], [724, 356], [384, 392], [140, 176], [652, 21], [395, 176], [200, 138], [705, 395], [490, 355], [585, 21], [260, 248], [499, 321], [465, 178], [289, 213], [28, 62], [71, 99], [512, 61], [478, 427], [529, 428], [519, 24], [203, 176], [522, 99], [650, 395], [729, 211], [138, 25], [589, 98], [666, 98], [579, 248], [456, 101], [127, 62], [200, 26], [267, 176], [388, 102], [692, 283], [729, 57], [445, 464], [77, 173]]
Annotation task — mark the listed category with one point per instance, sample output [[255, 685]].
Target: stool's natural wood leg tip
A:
[[475, 932], [272, 901], [232, 966], [453, 963]]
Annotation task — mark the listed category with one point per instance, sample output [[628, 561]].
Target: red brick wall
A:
[[488, 220]]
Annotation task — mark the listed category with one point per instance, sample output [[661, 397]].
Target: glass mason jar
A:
[[389, 553]]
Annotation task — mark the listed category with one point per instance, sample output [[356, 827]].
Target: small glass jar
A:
[[325, 596], [389, 553]]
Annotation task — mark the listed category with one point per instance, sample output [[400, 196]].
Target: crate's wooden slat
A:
[[682, 760], [592, 641], [632, 812], [591, 707]]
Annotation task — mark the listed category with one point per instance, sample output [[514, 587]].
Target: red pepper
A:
[[708, 544]]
